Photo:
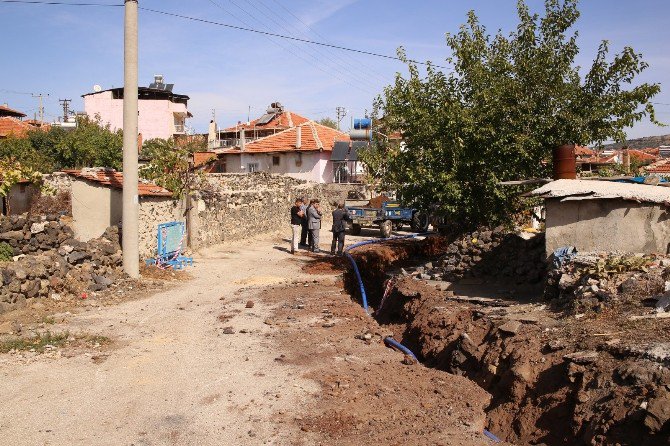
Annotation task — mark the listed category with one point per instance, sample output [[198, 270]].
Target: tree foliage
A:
[[508, 100], [13, 172], [90, 144], [328, 122], [169, 164]]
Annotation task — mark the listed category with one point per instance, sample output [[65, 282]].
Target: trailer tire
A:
[[386, 227], [356, 229], [419, 222]]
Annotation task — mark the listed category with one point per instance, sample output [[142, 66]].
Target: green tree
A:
[[328, 122], [90, 144], [169, 165], [508, 100], [13, 172]]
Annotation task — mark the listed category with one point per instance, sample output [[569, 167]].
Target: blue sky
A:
[[64, 51]]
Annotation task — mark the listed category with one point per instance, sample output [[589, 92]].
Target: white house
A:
[[280, 142]]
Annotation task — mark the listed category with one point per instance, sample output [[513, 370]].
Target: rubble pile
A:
[[70, 267], [489, 254], [592, 282], [36, 234]]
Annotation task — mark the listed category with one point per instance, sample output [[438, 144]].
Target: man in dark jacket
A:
[[305, 236], [296, 224], [340, 217]]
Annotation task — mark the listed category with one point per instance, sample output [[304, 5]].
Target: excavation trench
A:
[[554, 379]]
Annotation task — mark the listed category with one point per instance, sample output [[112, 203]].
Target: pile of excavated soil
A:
[[377, 202], [367, 394], [599, 379]]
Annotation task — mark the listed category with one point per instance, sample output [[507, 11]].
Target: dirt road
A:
[[193, 365]]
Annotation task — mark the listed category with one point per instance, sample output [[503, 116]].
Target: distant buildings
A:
[[12, 123], [281, 142], [162, 113]]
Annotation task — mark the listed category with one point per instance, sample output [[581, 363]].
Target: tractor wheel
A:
[[386, 227], [419, 222], [356, 229]]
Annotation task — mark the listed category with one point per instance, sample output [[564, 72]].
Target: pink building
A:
[[162, 113]]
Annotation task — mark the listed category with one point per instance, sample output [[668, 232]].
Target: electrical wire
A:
[[36, 2], [226, 25], [317, 51], [298, 39], [325, 39], [317, 66]]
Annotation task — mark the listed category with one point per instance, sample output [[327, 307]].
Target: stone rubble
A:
[[52, 264], [495, 254]]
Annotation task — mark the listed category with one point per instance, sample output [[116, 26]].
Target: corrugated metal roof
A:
[[595, 190]]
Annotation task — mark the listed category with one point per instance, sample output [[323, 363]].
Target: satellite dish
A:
[[97, 88]]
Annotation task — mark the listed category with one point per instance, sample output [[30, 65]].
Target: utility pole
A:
[[341, 113], [41, 106], [66, 108], [130, 218]]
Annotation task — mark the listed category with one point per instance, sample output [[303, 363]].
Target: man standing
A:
[[304, 234], [296, 224], [340, 217], [314, 223]]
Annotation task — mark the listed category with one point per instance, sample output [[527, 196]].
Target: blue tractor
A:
[[391, 216]]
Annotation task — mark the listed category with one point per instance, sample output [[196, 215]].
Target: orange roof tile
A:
[[661, 166], [584, 151], [283, 120], [12, 126], [6, 111], [641, 156], [313, 137], [114, 179]]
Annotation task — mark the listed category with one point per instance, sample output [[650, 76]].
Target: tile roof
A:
[[661, 166], [313, 137], [283, 120], [642, 155], [114, 179], [6, 111], [12, 126], [584, 151]]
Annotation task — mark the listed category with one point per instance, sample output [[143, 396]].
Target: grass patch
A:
[[38, 343], [48, 320]]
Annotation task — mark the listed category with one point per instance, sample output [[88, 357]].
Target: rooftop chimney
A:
[[243, 140], [298, 137]]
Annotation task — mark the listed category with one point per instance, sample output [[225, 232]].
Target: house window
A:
[[220, 167], [252, 167], [298, 160], [275, 160]]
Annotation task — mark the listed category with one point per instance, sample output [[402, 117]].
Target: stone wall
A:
[[32, 235], [58, 181], [153, 211], [236, 206], [492, 255]]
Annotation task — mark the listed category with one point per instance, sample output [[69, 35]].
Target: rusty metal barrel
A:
[[564, 162]]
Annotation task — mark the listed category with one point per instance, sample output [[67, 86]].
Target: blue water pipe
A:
[[491, 436], [364, 297], [390, 342]]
